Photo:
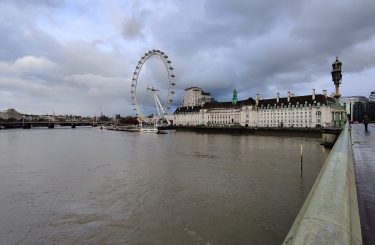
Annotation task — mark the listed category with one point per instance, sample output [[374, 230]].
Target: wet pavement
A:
[[364, 163]]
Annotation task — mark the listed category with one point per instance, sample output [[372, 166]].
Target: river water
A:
[[92, 186]]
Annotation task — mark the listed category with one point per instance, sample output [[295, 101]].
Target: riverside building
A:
[[355, 107], [372, 96], [314, 110], [195, 96], [10, 114]]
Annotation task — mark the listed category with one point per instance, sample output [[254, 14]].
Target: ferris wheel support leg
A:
[[163, 113], [161, 110], [157, 103]]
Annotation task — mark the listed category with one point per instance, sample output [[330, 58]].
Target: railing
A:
[[330, 212]]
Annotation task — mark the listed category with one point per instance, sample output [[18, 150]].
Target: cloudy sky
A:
[[78, 57]]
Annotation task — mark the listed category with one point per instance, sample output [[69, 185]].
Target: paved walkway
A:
[[364, 164]]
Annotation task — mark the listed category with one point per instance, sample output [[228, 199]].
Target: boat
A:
[[123, 128], [149, 130]]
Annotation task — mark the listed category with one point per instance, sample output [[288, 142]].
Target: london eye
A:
[[152, 87]]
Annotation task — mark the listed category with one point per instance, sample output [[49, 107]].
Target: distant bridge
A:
[[50, 124]]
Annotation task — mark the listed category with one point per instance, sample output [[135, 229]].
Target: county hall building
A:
[[314, 110]]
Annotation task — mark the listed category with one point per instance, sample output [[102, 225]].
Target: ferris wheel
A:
[[152, 87]]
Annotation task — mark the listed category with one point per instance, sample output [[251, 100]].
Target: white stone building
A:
[[10, 114], [195, 96], [310, 111]]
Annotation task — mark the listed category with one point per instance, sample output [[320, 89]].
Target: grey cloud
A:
[[253, 46], [81, 57], [31, 87], [34, 65], [290, 39], [132, 28], [21, 37], [98, 85], [47, 3]]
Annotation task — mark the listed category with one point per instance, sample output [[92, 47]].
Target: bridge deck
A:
[[364, 164]]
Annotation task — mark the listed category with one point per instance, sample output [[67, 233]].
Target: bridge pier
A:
[[329, 136]]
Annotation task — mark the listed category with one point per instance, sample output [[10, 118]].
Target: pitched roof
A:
[[319, 98], [183, 109], [189, 88], [240, 103]]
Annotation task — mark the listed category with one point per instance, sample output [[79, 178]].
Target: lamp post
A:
[[338, 111], [337, 76]]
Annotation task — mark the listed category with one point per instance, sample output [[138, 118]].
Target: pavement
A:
[[364, 165]]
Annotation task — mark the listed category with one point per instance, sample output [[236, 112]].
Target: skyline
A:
[[78, 58]]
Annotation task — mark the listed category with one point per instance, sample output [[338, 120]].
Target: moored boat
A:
[[149, 130]]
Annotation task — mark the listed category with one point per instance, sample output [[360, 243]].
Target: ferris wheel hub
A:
[[153, 89]]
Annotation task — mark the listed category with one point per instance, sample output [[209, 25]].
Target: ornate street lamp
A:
[[336, 76], [338, 112]]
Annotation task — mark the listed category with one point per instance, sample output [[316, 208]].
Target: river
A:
[[92, 186]]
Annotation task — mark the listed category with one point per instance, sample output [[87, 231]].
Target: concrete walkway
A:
[[364, 165]]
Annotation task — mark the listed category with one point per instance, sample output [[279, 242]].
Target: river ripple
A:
[[91, 186]]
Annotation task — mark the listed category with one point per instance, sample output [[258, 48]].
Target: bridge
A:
[[340, 208], [50, 124]]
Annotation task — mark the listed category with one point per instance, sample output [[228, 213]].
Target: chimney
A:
[[313, 94], [325, 93], [288, 96], [278, 98], [257, 99]]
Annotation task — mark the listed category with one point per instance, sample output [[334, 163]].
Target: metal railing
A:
[[330, 214]]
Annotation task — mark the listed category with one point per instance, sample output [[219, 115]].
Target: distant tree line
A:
[[128, 120]]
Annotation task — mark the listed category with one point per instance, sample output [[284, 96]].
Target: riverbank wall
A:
[[315, 132]]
